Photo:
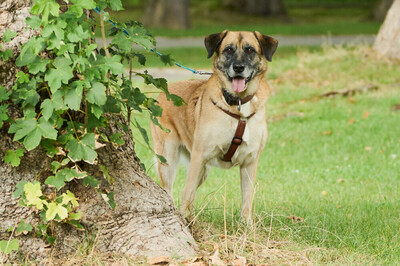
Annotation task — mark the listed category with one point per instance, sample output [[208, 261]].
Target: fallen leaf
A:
[[160, 260], [365, 115], [323, 193], [338, 206], [396, 107], [215, 260], [340, 180], [351, 121], [239, 261], [368, 148], [295, 219], [327, 133], [352, 100]]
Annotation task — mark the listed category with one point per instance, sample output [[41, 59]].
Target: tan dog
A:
[[223, 123]]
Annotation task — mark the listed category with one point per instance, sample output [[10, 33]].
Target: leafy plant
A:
[[66, 89]]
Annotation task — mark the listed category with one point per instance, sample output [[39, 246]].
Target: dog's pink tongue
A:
[[238, 84]]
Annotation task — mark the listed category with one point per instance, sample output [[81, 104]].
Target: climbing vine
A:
[[66, 88]]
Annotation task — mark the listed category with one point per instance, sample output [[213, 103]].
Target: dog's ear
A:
[[213, 41], [268, 45]]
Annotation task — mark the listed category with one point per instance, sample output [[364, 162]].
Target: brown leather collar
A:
[[236, 116], [233, 100]]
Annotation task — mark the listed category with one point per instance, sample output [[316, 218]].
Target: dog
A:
[[223, 122]]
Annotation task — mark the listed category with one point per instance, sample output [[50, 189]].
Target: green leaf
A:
[[82, 149], [3, 114], [75, 216], [78, 34], [55, 209], [73, 96], [97, 94], [139, 35], [32, 131], [33, 193], [8, 35], [114, 64], [123, 42], [79, 5], [23, 228], [62, 73], [22, 127], [19, 191], [47, 144], [161, 158], [97, 111], [38, 65], [49, 106], [4, 94], [57, 181], [62, 176], [13, 157], [143, 132], [8, 247], [109, 198], [45, 8], [34, 46], [34, 22], [46, 129], [116, 138], [115, 5], [90, 181], [112, 105], [69, 197]]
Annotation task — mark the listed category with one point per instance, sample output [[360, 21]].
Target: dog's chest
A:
[[253, 139]]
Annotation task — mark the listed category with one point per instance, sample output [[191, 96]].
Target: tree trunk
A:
[[381, 9], [387, 43], [257, 7], [145, 221], [173, 14]]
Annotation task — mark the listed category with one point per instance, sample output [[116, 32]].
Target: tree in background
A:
[[381, 9], [173, 14], [387, 43], [257, 7]]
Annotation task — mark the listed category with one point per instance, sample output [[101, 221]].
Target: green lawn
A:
[[333, 162]]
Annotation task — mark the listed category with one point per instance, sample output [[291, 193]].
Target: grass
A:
[[314, 18], [328, 181]]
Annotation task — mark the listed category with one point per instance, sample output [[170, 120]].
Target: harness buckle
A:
[[237, 140]]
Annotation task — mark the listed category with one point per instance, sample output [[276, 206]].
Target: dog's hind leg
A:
[[167, 172], [197, 173]]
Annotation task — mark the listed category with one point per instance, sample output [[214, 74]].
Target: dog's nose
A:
[[238, 68]]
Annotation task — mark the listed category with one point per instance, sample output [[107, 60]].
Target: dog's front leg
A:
[[196, 175], [248, 173]]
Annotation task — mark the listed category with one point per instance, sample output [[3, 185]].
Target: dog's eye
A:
[[249, 50], [228, 50]]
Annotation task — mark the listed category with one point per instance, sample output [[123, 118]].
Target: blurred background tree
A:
[[173, 14], [257, 7], [287, 17]]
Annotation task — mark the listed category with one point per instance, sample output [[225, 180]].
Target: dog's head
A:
[[240, 58]]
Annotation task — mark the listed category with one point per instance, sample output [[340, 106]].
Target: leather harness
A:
[[242, 121]]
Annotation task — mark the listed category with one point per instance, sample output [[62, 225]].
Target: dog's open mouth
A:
[[239, 83]]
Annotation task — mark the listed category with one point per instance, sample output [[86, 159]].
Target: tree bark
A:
[[381, 9], [173, 14], [387, 42], [257, 7], [145, 221]]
